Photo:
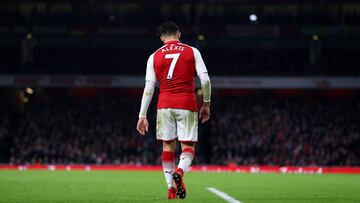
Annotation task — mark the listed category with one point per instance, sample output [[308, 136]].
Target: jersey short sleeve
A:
[[150, 72], [199, 62]]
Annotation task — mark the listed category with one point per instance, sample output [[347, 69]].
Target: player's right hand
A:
[[142, 126], [205, 112]]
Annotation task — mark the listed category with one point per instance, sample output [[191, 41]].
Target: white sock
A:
[[168, 165], [186, 158]]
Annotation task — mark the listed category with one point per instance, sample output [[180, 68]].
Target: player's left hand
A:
[[142, 126], [205, 112]]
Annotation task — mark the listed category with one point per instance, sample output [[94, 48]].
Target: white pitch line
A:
[[223, 195]]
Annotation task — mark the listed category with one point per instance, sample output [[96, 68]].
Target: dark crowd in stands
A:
[[291, 38], [243, 61], [143, 13], [242, 130]]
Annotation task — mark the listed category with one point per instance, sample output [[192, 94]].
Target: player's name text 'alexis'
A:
[[172, 47]]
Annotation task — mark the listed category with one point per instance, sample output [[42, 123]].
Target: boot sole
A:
[[180, 192]]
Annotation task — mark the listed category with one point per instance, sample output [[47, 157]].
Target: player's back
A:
[[174, 67]]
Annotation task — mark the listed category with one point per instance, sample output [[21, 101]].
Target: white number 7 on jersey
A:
[[174, 58]]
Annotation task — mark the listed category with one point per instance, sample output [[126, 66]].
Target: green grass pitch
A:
[[138, 186]]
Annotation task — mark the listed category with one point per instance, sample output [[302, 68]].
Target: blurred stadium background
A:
[[286, 99], [285, 73]]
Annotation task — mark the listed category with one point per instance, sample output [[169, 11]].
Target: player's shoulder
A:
[[152, 55], [195, 51], [158, 50], [188, 46]]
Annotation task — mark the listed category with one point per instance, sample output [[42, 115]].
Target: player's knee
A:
[[185, 145], [169, 145]]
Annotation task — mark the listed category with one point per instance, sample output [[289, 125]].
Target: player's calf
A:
[[186, 158], [168, 165]]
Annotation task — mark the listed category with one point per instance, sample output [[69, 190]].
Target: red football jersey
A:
[[174, 66]]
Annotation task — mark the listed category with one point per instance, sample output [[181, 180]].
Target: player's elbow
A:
[[149, 87], [205, 86], [204, 79]]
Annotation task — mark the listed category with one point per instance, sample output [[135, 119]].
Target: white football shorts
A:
[[176, 123]]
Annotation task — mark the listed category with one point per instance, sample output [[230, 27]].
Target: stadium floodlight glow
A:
[[315, 37], [29, 36], [201, 37], [253, 17], [29, 90]]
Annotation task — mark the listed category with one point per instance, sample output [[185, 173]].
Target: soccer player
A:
[[174, 66]]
